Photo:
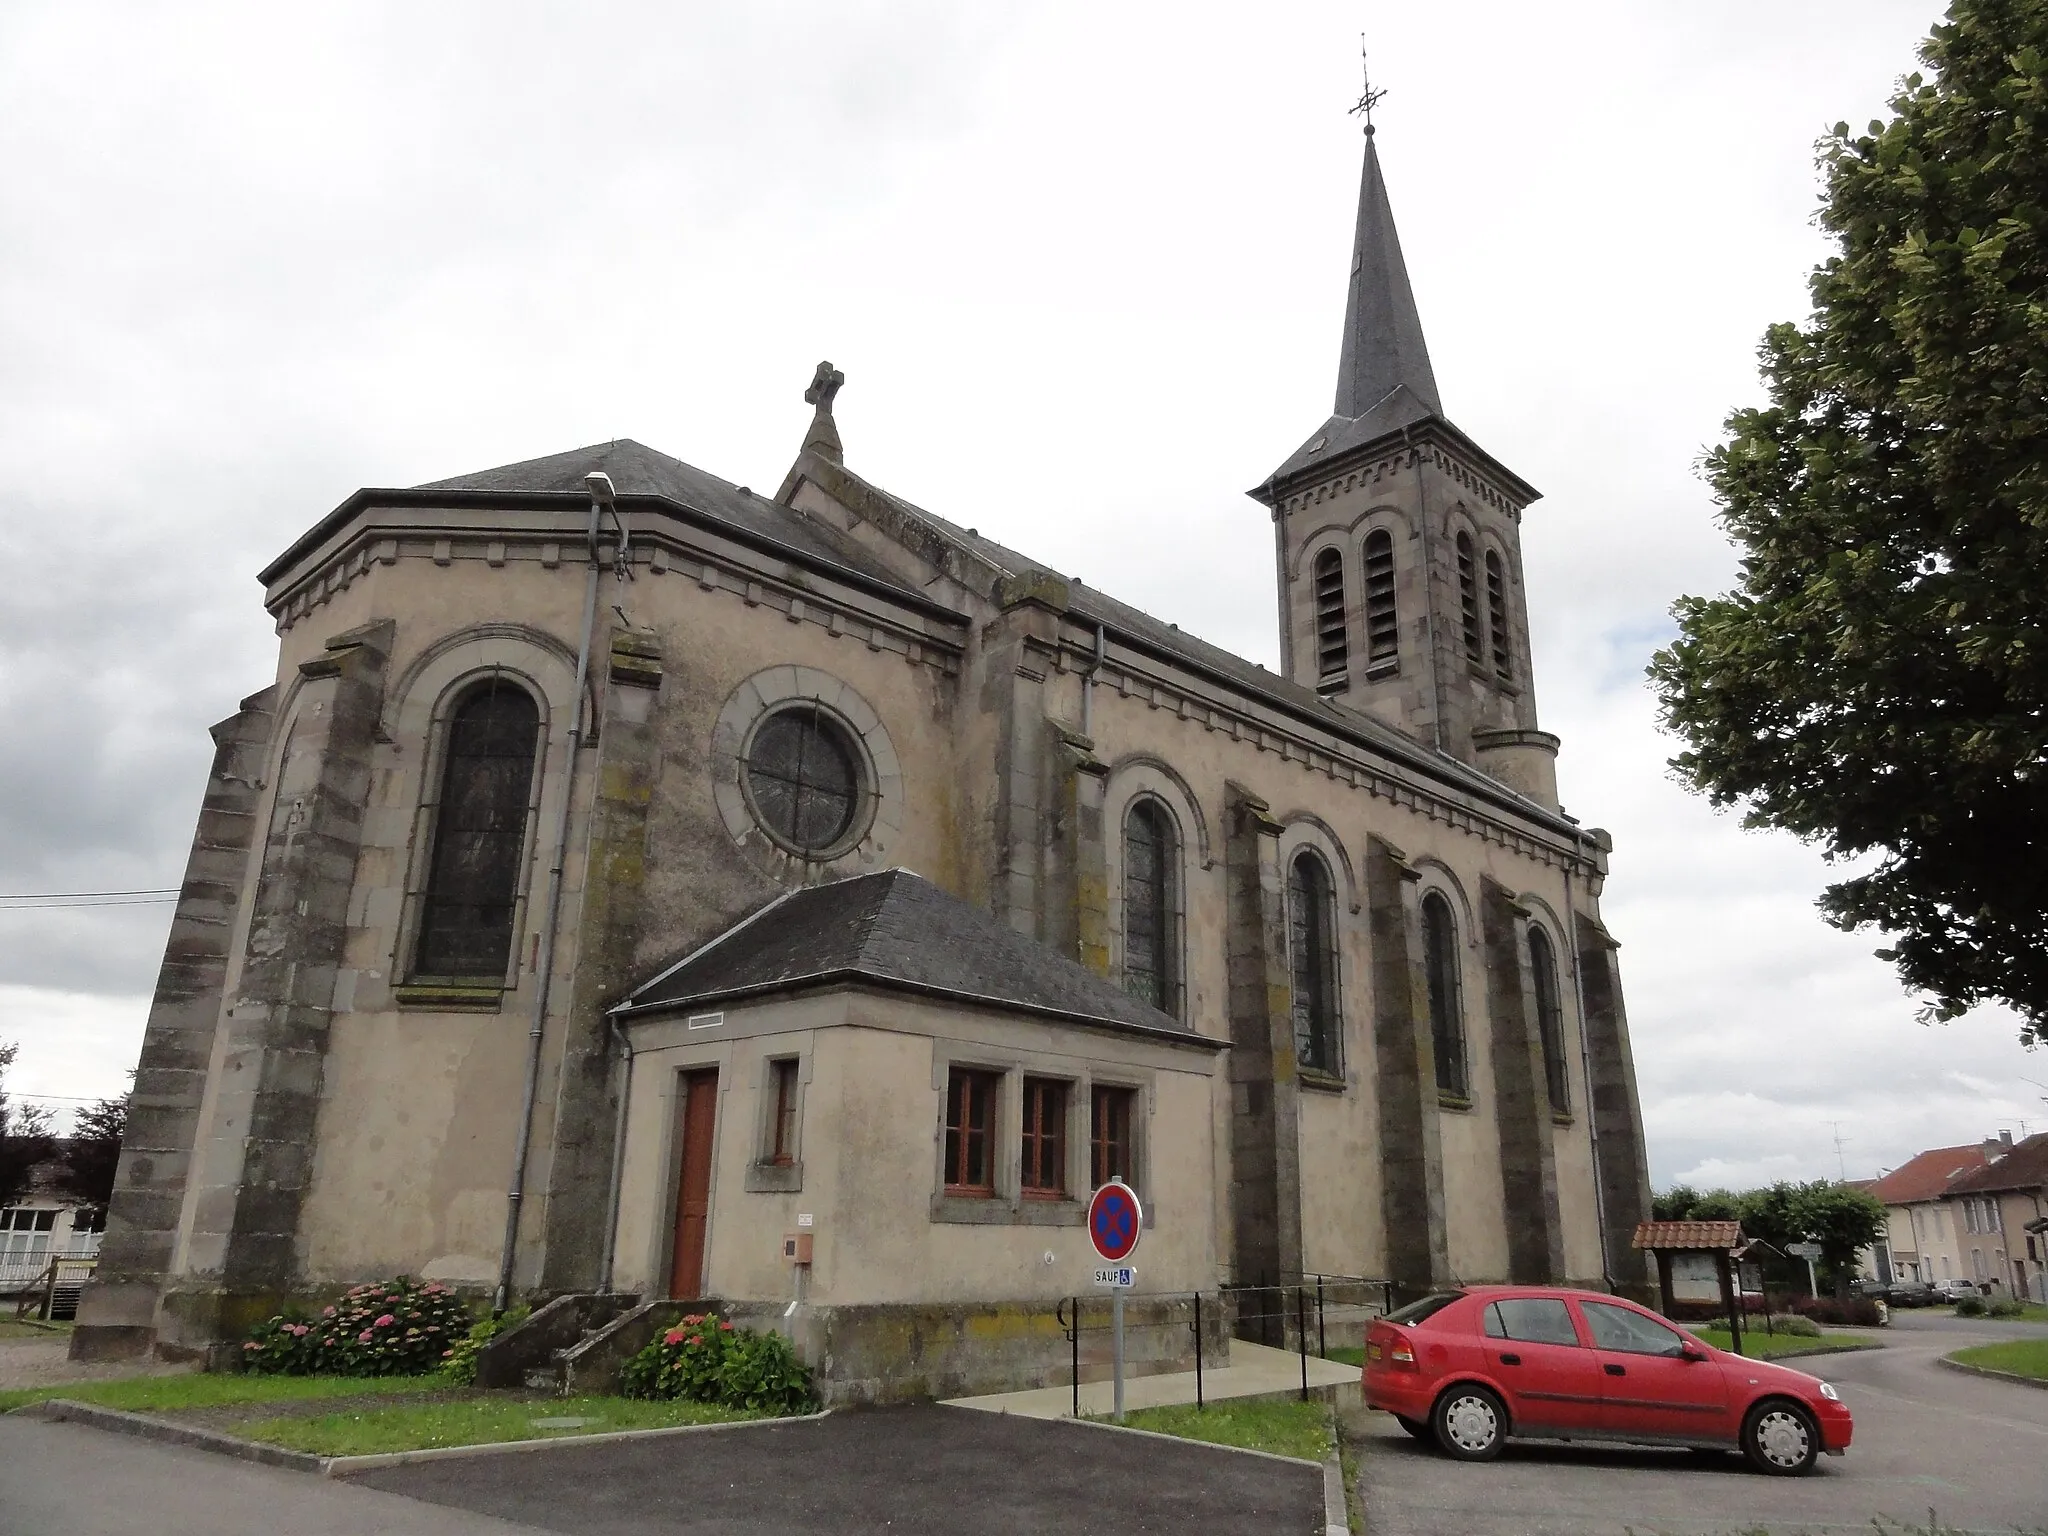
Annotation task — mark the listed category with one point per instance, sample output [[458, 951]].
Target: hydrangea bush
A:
[[387, 1328], [705, 1359]]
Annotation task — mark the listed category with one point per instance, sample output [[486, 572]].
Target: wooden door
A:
[[696, 1115]]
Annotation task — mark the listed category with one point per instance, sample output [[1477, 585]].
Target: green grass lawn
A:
[[2023, 1357], [10, 1329], [2030, 1312], [1289, 1428], [1347, 1356], [145, 1394], [475, 1421], [1758, 1345]]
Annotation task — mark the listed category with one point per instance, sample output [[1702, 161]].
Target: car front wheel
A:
[[1470, 1423], [1780, 1438]]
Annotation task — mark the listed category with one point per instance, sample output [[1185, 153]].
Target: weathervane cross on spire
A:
[[1371, 98]]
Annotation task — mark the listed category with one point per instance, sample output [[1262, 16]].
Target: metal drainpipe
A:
[[1088, 688], [550, 923], [1571, 942]]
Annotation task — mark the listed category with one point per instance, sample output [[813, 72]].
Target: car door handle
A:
[[1617, 1370], [1510, 1359]]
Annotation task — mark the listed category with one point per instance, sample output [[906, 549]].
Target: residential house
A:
[[1992, 1208], [1921, 1238], [42, 1225]]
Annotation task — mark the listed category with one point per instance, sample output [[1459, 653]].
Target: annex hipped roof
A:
[[1697, 1236], [897, 931], [1929, 1175]]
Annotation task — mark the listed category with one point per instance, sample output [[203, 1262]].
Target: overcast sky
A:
[[1083, 266]]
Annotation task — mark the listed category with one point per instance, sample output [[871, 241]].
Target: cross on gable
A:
[[824, 385]]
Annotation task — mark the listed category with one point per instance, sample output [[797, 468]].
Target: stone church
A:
[[626, 869]]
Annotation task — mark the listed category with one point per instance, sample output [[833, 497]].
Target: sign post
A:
[[1808, 1252], [1115, 1220]]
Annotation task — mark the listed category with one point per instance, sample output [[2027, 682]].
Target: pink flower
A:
[[301, 1330], [250, 1345], [385, 1321], [725, 1327], [363, 1337], [673, 1336], [328, 1313]]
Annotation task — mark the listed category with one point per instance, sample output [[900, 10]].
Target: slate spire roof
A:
[[897, 931], [1383, 345]]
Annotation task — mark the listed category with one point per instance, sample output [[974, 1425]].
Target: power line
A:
[[56, 906], [155, 890]]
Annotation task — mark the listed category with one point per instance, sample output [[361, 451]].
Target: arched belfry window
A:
[[1468, 602], [1446, 1007], [1312, 949], [1151, 907], [472, 888], [1550, 1020], [1497, 619], [1333, 645], [1382, 620]]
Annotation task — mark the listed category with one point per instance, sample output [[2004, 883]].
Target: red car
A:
[[1475, 1367]]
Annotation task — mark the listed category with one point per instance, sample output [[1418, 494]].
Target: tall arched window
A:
[[1151, 920], [1333, 645], [1468, 602], [1497, 617], [1312, 948], [1446, 1007], [1550, 1020], [472, 888], [1382, 620]]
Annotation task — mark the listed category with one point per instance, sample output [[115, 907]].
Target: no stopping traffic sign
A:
[[1114, 1221]]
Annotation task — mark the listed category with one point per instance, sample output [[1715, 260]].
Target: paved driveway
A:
[[920, 1469], [923, 1469], [1974, 1451]]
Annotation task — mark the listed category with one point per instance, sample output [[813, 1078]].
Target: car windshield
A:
[[1422, 1311]]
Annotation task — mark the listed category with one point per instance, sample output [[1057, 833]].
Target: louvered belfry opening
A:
[[1468, 602], [1382, 618], [1333, 643], [472, 891], [1497, 618]]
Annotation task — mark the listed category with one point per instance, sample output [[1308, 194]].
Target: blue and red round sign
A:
[[1114, 1221]]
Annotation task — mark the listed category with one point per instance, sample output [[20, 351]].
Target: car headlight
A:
[[1827, 1390]]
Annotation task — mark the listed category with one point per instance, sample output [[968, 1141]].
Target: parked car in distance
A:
[[1955, 1290], [1471, 1369], [1910, 1293]]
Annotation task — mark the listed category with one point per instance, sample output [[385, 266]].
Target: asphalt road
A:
[[1974, 1451], [920, 1469]]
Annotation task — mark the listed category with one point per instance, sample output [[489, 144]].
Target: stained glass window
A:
[[1150, 961], [472, 889], [800, 771], [1446, 1021], [1550, 1020], [1311, 943]]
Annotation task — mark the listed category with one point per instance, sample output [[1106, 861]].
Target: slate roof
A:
[[2024, 1167], [636, 469], [1091, 605], [896, 930], [1383, 345], [1708, 1236], [1928, 1175]]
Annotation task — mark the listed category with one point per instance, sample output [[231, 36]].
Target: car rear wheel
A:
[[1470, 1423], [1781, 1438], [1419, 1428]]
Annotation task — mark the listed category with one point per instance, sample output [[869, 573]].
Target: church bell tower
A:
[[1398, 541]]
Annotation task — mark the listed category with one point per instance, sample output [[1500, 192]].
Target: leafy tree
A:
[[92, 1153], [1878, 681], [1843, 1221], [1684, 1203], [25, 1140]]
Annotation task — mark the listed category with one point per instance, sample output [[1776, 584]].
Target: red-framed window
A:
[[1109, 1135], [970, 1132], [782, 1128], [1045, 1139]]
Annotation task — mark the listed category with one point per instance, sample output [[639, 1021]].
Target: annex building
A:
[[624, 864]]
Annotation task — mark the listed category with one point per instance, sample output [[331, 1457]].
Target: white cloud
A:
[[1083, 267]]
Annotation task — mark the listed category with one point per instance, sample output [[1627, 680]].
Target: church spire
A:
[[1383, 346]]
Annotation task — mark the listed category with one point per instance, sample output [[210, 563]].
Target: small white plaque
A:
[[706, 1020], [1115, 1277], [805, 1219]]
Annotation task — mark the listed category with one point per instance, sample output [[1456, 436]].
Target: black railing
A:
[[1298, 1310]]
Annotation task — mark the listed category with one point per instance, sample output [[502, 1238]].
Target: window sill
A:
[[1563, 1117], [1388, 667], [1321, 1081], [775, 1178], [988, 1211], [450, 997], [1457, 1101]]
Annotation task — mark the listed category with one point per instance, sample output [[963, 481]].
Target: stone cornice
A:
[[922, 633], [1436, 443]]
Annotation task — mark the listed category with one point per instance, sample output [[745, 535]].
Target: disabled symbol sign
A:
[[1114, 1221]]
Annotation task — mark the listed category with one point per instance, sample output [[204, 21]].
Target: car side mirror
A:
[[1691, 1353]]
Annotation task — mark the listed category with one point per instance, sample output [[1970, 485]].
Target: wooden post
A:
[[1731, 1299], [1664, 1282]]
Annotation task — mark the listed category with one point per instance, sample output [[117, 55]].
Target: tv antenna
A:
[[1841, 1163]]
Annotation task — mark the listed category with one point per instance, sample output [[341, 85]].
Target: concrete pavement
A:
[[1254, 1371], [1974, 1451]]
